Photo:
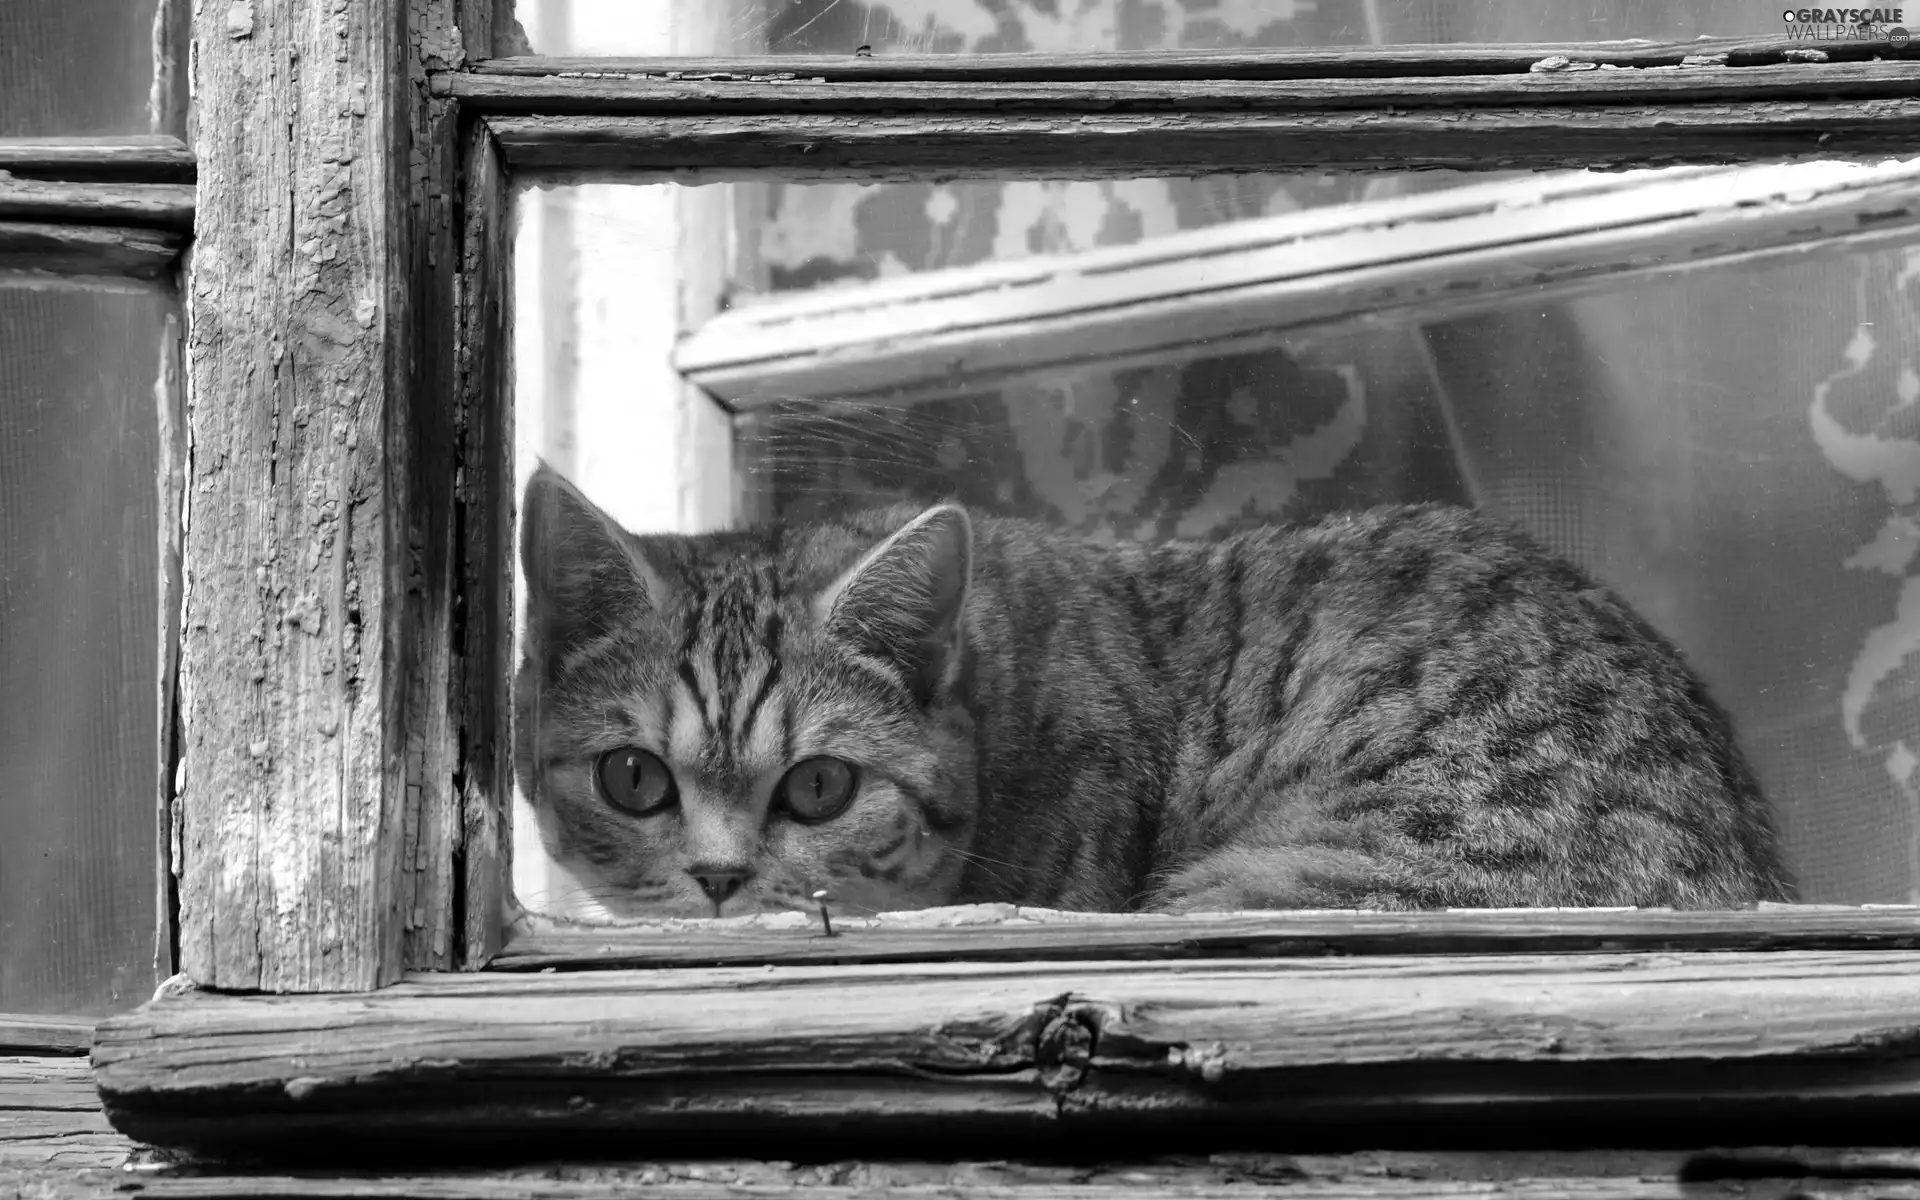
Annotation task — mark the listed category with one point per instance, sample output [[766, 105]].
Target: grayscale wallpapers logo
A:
[[1847, 24]]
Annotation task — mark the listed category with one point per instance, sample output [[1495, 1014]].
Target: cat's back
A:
[[1477, 704]]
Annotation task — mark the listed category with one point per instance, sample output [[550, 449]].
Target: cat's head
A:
[[731, 722]]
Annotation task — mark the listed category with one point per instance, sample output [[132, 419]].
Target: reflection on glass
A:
[[604, 27], [1731, 451], [91, 68], [79, 609]]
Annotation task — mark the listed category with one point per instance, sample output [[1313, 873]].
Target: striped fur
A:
[[1400, 708]]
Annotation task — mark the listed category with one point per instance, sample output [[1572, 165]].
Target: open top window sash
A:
[[1254, 284]]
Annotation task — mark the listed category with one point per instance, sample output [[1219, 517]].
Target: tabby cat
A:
[[1401, 708]]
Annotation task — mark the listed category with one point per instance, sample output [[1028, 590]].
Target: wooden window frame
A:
[[108, 210], [343, 668]]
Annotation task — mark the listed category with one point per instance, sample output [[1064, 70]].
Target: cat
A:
[[1399, 708]]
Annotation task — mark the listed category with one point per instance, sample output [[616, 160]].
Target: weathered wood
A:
[[607, 94], [618, 1183], [29, 1034], [1080, 145], [475, 19], [156, 158], [53, 1083], [55, 1142], [430, 452], [1479, 1048], [1292, 62], [50, 1118], [170, 482], [168, 205], [1746, 1172], [1004, 933], [485, 546], [1253, 284], [89, 249], [303, 428]]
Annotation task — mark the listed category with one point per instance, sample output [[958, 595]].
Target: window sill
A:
[[1405, 1046]]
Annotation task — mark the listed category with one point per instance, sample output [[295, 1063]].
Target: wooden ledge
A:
[[1802, 1044], [1006, 933]]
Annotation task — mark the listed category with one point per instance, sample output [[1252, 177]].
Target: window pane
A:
[[79, 609], [1730, 449], [89, 68], [604, 27]]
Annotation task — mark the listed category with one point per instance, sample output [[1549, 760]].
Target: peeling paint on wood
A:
[[311, 576]]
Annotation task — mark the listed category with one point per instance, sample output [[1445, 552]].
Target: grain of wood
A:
[[89, 250], [25, 1033], [50, 1117], [604, 93], [1600, 1176], [156, 158], [613, 1186], [55, 1142], [303, 433], [1292, 62], [1396, 1043], [430, 455], [1092, 145], [167, 205], [486, 549]]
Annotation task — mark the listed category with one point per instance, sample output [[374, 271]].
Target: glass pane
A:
[[79, 669], [90, 68], [606, 27], [1729, 450]]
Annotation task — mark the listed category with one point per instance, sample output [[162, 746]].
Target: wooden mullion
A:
[[1328, 62], [307, 565]]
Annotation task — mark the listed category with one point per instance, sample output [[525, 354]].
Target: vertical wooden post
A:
[[316, 551]]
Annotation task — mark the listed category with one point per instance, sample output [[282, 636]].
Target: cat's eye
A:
[[817, 789], [635, 780]]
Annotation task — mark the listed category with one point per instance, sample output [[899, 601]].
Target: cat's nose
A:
[[719, 883]]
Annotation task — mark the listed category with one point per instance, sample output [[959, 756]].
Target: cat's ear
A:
[[902, 600], [583, 572]]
